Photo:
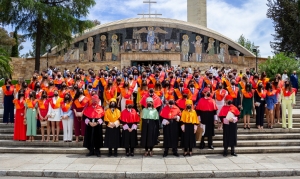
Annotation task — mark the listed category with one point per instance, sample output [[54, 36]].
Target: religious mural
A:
[[110, 45]]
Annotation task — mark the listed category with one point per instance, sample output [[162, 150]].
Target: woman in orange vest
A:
[[260, 104], [31, 115], [220, 95], [64, 90], [8, 96], [43, 107], [20, 127], [110, 92], [126, 94], [247, 104]]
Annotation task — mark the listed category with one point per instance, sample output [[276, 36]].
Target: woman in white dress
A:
[[54, 114], [220, 95]]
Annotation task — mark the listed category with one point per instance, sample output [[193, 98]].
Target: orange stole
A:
[[30, 104], [220, 94], [110, 93], [247, 94], [178, 93], [103, 82], [41, 104], [261, 94], [66, 106], [287, 93], [72, 92], [58, 81], [126, 95], [168, 92], [18, 87], [232, 93], [63, 93], [95, 83], [69, 82], [57, 104], [271, 93], [8, 92], [242, 84], [82, 103], [18, 104]]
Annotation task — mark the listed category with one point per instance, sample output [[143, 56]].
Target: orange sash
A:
[[69, 82], [63, 93], [133, 85], [261, 94], [271, 93], [110, 93], [8, 92], [95, 83], [57, 104], [18, 104], [30, 104], [162, 76], [159, 93], [168, 92], [179, 95], [232, 93], [247, 94], [82, 103], [242, 84], [58, 81], [220, 94], [65, 107], [126, 95], [72, 92], [42, 104], [103, 81], [18, 87]]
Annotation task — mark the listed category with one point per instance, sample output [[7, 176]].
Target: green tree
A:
[[286, 19], [5, 67], [51, 21], [247, 44], [15, 48], [279, 63], [6, 41]]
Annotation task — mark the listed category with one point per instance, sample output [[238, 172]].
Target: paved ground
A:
[[74, 166]]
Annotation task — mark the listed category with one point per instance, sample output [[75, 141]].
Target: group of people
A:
[[179, 101]]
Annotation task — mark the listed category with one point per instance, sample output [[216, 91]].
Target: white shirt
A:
[[284, 77]]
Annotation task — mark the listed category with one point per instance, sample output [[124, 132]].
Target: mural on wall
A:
[[111, 44]]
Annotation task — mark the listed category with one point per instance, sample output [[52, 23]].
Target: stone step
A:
[[216, 143], [157, 151]]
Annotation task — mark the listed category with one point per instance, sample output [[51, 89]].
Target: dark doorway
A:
[[146, 63]]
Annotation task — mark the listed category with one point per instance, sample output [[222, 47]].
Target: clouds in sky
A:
[[228, 17]]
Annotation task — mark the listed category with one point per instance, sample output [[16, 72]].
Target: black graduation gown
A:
[[207, 118], [229, 134], [170, 134], [112, 137], [93, 137], [237, 101], [149, 132], [129, 139], [260, 110], [188, 138]]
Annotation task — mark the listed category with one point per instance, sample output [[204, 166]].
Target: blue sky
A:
[[228, 17]]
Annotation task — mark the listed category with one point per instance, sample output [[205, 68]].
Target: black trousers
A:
[[110, 150], [131, 150], [147, 148], [174, 150], [186, 149], [226, 149], [209, 139]]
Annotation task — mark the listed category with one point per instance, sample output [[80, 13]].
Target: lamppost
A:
[[48, 49], [255, 49]]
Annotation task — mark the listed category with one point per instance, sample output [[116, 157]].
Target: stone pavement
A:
[[198, 166]]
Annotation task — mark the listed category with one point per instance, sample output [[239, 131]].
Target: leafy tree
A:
[[247, 44], [51, 21], [5, 67], [279, 63], [6, 41], [15, 48], [285, 15]]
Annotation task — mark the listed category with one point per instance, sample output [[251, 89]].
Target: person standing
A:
[[288, 100], [285, 76], [170, 116], [271, 100], [93, 138], [260, 104], [43, 107], [207, 114], [31, 116], [112, 132], [20, 128], [189, 126], [54, 114], [247, 104], [67, 117], [150, 125], [8, 97], [220, 95], [229, 125], [294, 81], [129, 119]]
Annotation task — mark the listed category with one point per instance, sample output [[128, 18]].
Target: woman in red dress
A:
[[20, 128], [43, 106]]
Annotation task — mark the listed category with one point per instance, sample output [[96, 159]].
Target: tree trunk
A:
[[38, 45]]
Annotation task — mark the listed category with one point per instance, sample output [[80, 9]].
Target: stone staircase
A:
[[275, 140]]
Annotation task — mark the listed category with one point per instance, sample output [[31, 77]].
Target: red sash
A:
[[8, 92], [220, 94], [287, 93], [247, 94], [162, 76]]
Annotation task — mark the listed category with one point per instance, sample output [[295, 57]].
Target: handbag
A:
[[43, 123], [52, 114]]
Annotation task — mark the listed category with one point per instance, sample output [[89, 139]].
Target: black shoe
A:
[[202, 146], [234, 154], [211, 147], [176, 154], [89, 154], [132, 154], [185, 154], [225, 153], [127, 154], [165, 154], [109, 155], [98, 154], [115, 155]]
